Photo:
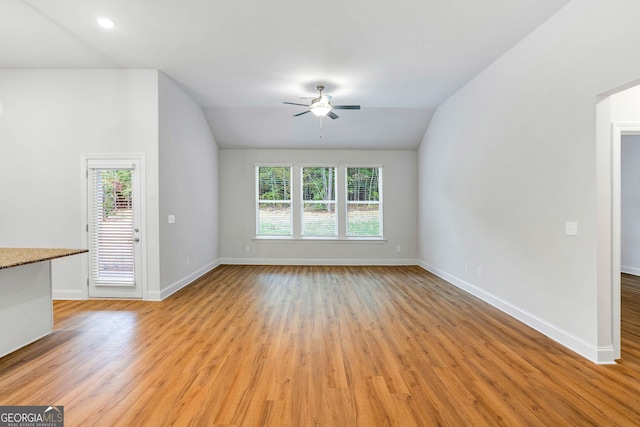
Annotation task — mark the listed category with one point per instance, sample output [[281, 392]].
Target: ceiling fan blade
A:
[[346, 107], [333, 115], [293, 103], [304, 112]]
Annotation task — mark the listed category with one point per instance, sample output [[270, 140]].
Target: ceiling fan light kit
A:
[[321, 106]]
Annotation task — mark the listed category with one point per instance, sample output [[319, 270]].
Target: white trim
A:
[[287, 239], [274, 165], [185, 281], [364, 165], [84, 211], [630, 270], [319, 165], [598, 355], [340, 200], [69, 294], [316, 261], [110, 164]]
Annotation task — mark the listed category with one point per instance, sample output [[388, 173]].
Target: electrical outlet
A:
[[171, 219], [398, 248], [246, 248], [571, 228], [479, 271]]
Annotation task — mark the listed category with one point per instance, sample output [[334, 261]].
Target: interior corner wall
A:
[[237, 210], [511, 157], [188, 165], [50, 118]]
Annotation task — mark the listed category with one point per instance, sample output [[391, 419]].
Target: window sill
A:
[[289, 239]]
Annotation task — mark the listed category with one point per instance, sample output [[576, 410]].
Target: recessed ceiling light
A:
[[105, 22]]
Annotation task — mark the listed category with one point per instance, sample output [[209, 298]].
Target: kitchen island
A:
[[26, 303]]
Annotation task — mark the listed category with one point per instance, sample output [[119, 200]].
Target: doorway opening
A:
[[619, 132], [617, 114]]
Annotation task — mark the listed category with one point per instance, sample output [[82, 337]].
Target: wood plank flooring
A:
[[318, 346]]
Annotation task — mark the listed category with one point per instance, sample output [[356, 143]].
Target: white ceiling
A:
[[240, 59]]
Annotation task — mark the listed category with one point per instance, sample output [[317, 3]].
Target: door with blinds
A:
[[114, 228]]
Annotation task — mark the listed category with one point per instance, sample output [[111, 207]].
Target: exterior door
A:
[[113, 194]]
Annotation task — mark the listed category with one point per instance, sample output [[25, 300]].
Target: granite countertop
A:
[[13, 257]]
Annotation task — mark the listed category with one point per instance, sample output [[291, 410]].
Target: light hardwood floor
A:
[[318, 346]]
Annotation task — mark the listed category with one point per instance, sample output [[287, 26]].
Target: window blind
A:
[[111, 227]]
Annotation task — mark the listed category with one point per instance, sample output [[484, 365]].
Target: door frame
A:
[[618, 130], [84, 209]]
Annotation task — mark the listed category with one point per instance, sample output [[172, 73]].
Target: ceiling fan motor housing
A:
[[323, 100]]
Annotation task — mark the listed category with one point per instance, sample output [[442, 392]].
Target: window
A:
[[319, 208], [319, 202], [112, 226], [273, 210], [364, 201]]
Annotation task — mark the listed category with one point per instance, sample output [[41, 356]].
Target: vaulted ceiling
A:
[[240, 59]]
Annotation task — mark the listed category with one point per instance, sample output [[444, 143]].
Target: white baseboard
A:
[[72, 294], [630, 270], [605, 356], [600, 355], [2, 354], [315, 261], [176, 286]]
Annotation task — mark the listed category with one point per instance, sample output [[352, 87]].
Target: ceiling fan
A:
[[321, 106]]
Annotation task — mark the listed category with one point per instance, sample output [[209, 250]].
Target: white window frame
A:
[[258, 201], [334, 201], [297, 204], [378, 202]]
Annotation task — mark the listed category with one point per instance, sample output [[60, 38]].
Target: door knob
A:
[[137, 239]]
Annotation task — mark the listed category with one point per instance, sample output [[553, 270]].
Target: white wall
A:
[[630, 213], [188, 190], [50, 118], [512, 156], [237, 210]]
